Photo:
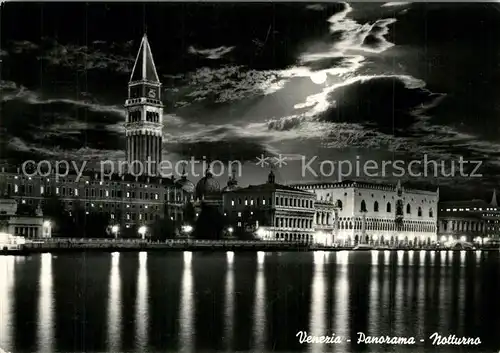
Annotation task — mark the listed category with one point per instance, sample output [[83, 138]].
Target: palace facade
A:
[[370, 213]]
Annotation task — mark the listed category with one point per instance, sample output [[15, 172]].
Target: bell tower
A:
[[144, 121]]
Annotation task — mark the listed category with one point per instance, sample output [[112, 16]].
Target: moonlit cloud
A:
[[394, 4], [363, 37], [213, 54], [98, 55], [231, 83], [18, 92]]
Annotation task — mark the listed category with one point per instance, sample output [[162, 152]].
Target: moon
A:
[[319, 77]]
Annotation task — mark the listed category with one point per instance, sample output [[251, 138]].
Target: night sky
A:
[[384, 82]]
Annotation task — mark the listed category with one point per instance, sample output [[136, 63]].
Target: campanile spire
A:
[[144, 122], [144, 67]]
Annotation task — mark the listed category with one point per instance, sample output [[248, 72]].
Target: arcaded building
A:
[[472, 221], [272, 211], [374, 213]]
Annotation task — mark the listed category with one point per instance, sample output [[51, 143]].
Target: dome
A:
[[185, 185], [207, 186]]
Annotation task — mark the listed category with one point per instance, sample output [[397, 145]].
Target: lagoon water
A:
[[234, 302]]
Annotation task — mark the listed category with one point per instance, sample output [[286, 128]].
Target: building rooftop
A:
[[358, 184], [270, 187]]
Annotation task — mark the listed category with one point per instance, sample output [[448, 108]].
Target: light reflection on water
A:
[[186, 321], [46, 306], [259, 336], [114, 304], [401, 293], [317, 325], [142, 312], [229, 304], [7, 274]]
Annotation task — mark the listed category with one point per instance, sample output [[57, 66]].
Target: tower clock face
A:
[[152, 93]]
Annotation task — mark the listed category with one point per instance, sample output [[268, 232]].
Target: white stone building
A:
[[373, 213]]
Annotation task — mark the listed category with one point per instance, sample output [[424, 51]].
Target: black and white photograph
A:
[[249, 177]]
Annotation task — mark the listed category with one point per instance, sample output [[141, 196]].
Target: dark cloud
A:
[[60, 124], [385, 103], [242, 150]]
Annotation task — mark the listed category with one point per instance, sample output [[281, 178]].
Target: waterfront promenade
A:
[[73, 244]]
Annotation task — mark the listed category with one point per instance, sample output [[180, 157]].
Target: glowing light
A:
[[230, 257], [141, 304], [343, 257], [143, 256], [186, 320], [188, 256], [187, 229], [319, 257], [261, 232], [114, 304], [442, 257], [401, 254], [319, 77], [443, 238], [46, 304], [259, 312], [462, 238], [142, 231], [320, 237], [115, 258], [423, 253], [387, 257], [260, 257], [46, 224], [374, 257], [114, 229], [230, 229]]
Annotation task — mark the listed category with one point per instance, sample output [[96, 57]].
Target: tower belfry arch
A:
[[144, 121]]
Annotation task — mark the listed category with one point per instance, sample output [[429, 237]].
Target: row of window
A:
[[250, 202], [293, 202], [29, 187], [280, 201], [293, 223], [470, 209], [90, 193], [135, 116], [388, 208], [389, 226], [329, 197]]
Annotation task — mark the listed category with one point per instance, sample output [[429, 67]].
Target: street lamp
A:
[[187, 229], [115, 229], [142, 231]]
